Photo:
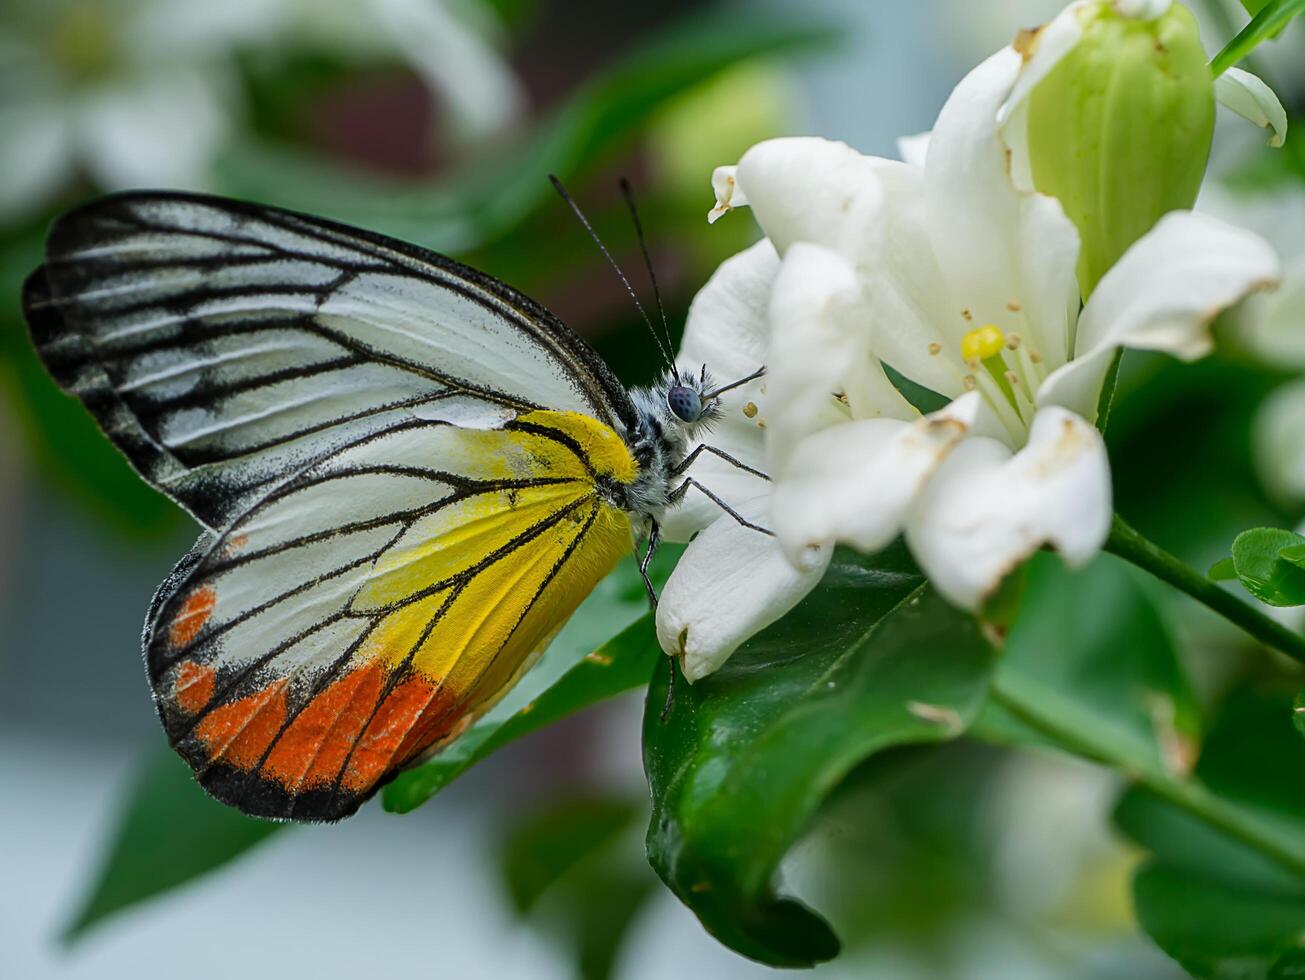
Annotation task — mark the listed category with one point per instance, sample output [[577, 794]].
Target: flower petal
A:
[[452, 55], [35, 154], [1249, 97], [1008, 258], [1041, 49], [160, 129], [727, 327], [820, 347], [729, 584], [855, 483], [973, 208], [725, 185], [804, 189], [1163, 294], [727, 330], [914, 149], [985, 510]]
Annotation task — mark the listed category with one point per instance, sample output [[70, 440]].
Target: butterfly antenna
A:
[[565, 195], [628, 193]]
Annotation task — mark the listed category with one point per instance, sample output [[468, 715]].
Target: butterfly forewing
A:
[[404, 469], [222, 345]]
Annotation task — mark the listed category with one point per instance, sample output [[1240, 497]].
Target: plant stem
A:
[[1128, 544], [1183, 791]]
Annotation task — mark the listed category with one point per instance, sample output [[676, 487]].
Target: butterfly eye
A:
[[685, 403]]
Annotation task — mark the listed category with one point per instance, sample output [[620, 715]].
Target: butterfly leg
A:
[[654, 539], [678, 494], [687, 461]]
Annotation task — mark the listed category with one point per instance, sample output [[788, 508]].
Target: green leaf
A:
[[1225, 909], [547, 844], [1298, 712], [1257, 556], [491, 197], [620, 665], [871, 659], [1267, 23], [1224, 570], [1090, 647], [170, 832]]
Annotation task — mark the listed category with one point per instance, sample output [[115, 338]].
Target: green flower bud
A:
[[1119, 130]]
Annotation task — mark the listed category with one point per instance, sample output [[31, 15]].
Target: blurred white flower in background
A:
[[145, 92], [966, 286]]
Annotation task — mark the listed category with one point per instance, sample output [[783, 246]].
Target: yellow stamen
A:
[[982, 343]]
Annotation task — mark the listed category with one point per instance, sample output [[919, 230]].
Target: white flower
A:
[[145, 92], [965, 286]]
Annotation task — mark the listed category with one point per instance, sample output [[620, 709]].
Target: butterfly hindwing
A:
[[375, 605], [222, 345]]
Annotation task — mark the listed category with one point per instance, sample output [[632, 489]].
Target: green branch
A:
[[1128, 544], [1183, 791]]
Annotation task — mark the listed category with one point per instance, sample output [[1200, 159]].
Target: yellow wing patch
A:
[[456, 608]]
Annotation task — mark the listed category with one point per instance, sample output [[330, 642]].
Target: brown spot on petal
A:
[[1026, 41], [750, 410]]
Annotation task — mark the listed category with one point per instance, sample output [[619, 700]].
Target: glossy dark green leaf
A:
[[1262, 569], [620, 665], [546, 844], [169, 833], [1213, 896], [1298, 712], [1091, 646], [1268, 22], [493, 196], [870, 660]]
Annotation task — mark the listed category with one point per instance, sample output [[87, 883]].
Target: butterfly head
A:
[[689, 399]]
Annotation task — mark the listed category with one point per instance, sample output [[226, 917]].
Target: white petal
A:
[[727, 327], [854, 483], [914, 149], [1279, 439], [35, 155], [985, 511], [912, 317], [1274, 325], [972, 205], [820, 346], [725, 185], [804, 189], [730, 584], [727, 330], [1249, 97], [455, 61], [1163, 294], [162, 129], [1042, 50]]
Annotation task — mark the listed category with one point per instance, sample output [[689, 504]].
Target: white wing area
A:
[[224, 346]]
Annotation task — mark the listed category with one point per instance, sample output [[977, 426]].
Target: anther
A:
[[1014, 305], [935, 348], [970, 382]]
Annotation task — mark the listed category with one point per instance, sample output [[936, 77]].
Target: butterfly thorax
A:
[[672, 416]]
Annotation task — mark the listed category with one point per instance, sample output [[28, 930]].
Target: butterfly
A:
[[409, 475]]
